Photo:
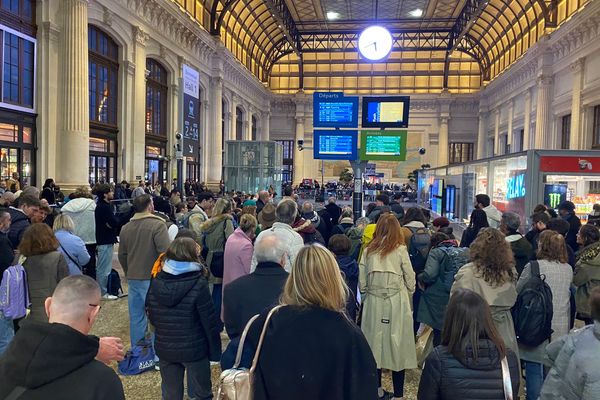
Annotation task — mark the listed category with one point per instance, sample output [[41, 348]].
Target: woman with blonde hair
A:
[[492, 274], [311, 349], [70, 245], [387, 282]]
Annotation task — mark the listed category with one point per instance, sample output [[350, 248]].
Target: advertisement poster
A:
[[191, 110], [554, 194]]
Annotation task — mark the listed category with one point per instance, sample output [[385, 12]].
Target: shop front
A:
[[515, 183]]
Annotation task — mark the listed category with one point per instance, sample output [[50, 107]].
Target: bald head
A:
[[263, 195], [270, 248], [75, 302]]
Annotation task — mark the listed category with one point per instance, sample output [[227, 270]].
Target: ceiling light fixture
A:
[[416, 13], [332, 15]]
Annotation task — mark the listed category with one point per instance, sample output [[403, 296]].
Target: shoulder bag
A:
[[506, 380], [237, 383]]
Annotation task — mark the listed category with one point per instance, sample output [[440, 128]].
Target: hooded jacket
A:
[[81, 211], [182, 312], [349, 268], [493, 216], [216, 231], [19, 222], [446, 377], [54, 361], [586, 276], [309, 233]]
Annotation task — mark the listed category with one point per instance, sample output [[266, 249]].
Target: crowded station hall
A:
[[300, 199]]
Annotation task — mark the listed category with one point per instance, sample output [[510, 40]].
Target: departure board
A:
[[335, 145], [383, 145], [334, 110]]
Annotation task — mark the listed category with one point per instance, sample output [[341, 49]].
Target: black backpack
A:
[[532, 313], [418, 248], [113, 284]]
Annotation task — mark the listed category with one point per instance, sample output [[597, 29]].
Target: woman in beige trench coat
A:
[[387, 282]]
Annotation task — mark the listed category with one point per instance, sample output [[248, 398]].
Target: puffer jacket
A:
[[521, 249], [81, 211], [446, 377], [586, 276], [574, 374], [181, 310]]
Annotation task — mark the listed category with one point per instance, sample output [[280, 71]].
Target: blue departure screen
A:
[[336, 145], [334, 110]]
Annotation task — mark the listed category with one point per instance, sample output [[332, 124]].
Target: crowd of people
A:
[[354, 296]]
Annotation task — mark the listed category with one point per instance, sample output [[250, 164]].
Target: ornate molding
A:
[[51, 30], [544, 80], [140, 36], [107, 16], [129, 67], [423, 105], [577, 65]]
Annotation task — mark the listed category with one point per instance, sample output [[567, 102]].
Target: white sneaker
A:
[[109, 297]]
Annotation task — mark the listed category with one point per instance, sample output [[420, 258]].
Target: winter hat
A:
[[267, 217]]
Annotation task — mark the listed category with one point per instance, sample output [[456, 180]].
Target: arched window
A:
[[254, 127], [103, 83], [239, 124], [103, 70], [156, 99]]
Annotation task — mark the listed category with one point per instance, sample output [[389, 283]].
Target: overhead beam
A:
[[469, 14]]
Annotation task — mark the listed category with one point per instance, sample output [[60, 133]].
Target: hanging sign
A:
[[190, 111]]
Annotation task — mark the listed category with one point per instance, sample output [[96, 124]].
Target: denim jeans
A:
[[534, 379], [136, 300], [198, 378], [6, 332], [104, 265]]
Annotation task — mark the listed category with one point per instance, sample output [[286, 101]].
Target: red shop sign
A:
[[570, 164]]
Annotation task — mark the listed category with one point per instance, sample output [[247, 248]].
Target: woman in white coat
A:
[[387, 282]]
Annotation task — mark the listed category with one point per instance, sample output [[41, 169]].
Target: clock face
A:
[[375, 43]]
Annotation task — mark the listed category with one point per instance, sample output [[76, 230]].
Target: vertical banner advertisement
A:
[[191, 110]]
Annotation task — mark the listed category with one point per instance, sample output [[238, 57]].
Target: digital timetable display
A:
[[385, 112], [334, 110], [335, 145], [383, 145]]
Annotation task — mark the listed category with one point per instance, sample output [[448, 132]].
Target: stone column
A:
[[205, 150], [509, 131], [577, 139], [299, 155], [443, 146], [248, 124], [215, 163], [527, 122], [176, 116], [74, 140], [137, 153], [233, 133], [496, 132], [543, 114], [265, 122], [481, 135]]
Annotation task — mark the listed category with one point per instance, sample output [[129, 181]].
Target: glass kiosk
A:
[[251, 166]]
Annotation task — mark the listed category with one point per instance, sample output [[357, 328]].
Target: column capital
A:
[[545, 80], [527, 95], [129, 67], [175, 89], [51, 29], [444, 119], [577, 65], [299, 120], [216, 80], [140, 36]]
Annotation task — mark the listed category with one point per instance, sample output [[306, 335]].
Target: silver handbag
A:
[[236, 383]]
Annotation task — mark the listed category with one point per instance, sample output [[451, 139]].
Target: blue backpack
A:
[[139, 359], [14, 293]]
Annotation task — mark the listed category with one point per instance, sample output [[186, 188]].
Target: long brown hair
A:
[[38, 239], [388, 236], [468, 319], [552, 247], [315, 280], [493, 257]]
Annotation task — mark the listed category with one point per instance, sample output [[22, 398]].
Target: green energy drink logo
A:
[[554, 199]]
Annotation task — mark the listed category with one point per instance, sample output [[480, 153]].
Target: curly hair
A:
[[493, 257]]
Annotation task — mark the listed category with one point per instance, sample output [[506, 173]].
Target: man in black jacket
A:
[[566, 209], [106, 236], [251, 294], [57, 359], [28, 206]]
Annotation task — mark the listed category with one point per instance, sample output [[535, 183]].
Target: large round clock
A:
[[375, 43]]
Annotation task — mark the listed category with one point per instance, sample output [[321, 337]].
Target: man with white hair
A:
[[263, 198], [251, 294], [58, 358], [286, 215]]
